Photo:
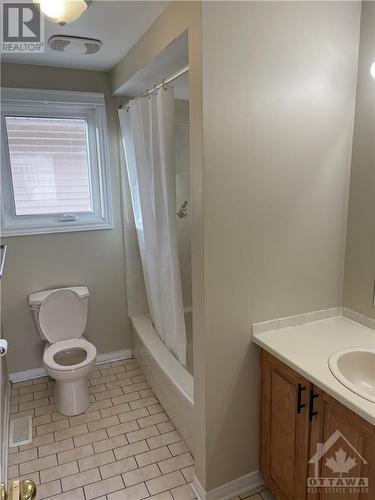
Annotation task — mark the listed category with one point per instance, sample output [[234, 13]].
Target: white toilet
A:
[[61, 318]]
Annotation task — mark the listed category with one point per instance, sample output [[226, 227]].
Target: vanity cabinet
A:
[[284, 429], [295, 417], [332, 416]]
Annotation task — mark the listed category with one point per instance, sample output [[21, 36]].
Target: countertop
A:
[[306, 349]]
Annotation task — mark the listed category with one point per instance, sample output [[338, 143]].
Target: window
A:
[[55, 168]]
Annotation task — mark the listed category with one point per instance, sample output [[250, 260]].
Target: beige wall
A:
[[360, 249], [94, 258], [278, 105]]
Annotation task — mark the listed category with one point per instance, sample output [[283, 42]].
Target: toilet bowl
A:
[[61, 318]]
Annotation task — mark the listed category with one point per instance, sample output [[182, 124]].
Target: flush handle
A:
[[300, 405]]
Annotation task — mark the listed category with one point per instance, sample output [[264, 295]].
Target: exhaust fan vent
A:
[[74, 44]]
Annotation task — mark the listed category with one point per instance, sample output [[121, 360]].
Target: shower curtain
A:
[[147, 127]]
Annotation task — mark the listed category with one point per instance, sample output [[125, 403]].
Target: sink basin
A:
[[354, 367]]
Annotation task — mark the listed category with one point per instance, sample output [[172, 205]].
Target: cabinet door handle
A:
[[312, 413], [300, 405]]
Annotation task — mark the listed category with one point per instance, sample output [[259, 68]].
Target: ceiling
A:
[[118, 24], [170, 60]]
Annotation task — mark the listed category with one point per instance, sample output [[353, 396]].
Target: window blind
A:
[[49, 165]]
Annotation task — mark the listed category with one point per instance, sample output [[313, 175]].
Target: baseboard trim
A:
[[114, 356], [198, 489], [5, 438], [248, 483], [106, 357], [27, 375]]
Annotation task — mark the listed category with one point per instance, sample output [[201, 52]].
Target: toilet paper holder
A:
[[3, 347]]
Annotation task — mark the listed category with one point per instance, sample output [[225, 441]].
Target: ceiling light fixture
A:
[[63, 11], [372, 70]]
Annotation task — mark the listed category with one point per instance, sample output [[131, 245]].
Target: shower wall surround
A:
[[135, 285]]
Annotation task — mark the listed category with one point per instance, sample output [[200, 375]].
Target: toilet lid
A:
[[62, 316]]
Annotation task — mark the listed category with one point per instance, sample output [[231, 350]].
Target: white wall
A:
[[360, 248], [93, 258], [278, 105]]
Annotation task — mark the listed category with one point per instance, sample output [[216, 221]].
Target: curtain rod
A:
[[164, 82]]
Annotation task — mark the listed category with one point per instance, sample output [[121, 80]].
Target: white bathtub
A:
[[171, 382]]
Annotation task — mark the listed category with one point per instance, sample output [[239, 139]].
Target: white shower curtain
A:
[[147, 127]]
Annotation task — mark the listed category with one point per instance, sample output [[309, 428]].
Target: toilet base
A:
[[72, 398]]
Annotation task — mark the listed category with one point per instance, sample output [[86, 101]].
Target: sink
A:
[[354, 367]]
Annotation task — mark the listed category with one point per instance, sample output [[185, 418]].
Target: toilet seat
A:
[[65, 345]]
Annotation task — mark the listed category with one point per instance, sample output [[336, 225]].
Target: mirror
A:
[[359, 273]]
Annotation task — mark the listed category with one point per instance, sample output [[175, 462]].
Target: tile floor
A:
[[124, 447]]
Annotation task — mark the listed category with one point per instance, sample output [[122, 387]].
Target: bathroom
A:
[[270, 134]]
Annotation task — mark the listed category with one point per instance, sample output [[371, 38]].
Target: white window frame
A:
[[59, 104]]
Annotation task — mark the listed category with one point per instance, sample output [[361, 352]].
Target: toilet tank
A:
[[36, 298]]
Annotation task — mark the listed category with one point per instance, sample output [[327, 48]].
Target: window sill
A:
[[66, 227]]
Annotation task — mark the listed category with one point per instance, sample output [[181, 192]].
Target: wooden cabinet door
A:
[[284, 429], [344, 432]]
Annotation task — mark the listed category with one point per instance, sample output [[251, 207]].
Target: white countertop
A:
[[306, 349]]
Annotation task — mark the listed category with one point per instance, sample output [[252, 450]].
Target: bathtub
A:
[[171, 382]]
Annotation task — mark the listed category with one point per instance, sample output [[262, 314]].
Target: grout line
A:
[[145, 483], [123, 480], [134, 396], [157, 465]]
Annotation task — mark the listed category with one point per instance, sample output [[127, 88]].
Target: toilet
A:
[[61, 317]]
